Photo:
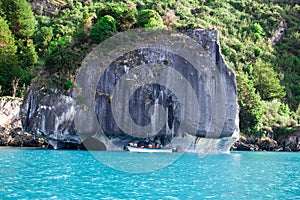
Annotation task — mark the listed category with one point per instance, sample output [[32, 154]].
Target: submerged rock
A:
[[154, 87]]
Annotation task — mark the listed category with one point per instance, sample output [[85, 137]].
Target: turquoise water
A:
[[49, 174]]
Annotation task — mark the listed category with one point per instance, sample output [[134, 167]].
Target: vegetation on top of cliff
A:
[[259, 40], [17, 66]]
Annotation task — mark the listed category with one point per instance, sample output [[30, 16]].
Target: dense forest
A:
[[43, 42]]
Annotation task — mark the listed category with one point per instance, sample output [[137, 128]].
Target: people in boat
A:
[[143, 144], [132, 144]]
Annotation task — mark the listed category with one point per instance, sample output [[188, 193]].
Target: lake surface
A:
[[50, 174]]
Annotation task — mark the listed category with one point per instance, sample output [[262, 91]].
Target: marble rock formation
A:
[[143, 87]]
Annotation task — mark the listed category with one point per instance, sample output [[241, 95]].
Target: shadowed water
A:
[[46, 174]]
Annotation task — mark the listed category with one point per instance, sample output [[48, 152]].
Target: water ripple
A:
[[45, 174]]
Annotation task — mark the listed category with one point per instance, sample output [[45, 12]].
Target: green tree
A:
[[149, 18], [26, 53], [8, 61], [20, 17], [104, 28], [64, 58], [22, 23], [288, 54], [266, 81], [256, 28], [43, 39], [124, 13], [7, 42], [250, 105]]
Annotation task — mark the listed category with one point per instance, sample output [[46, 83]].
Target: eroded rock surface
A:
[[11, 133], [88, 112]]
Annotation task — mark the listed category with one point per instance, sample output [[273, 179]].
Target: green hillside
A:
[[44, 42]]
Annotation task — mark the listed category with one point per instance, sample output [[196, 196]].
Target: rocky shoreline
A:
[[18, 138], [11, 134], [252, 143]]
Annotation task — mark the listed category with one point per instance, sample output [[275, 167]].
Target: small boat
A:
[[149, 150]]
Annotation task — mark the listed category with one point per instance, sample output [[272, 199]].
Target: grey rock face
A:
[[9, 115], [209, 40], [174, 95], [11, 133], [50, 115], [278, 32], [292, 143]]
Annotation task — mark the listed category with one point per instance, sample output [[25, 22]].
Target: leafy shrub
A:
[[43, 39], [257, 30], [149, 18], [257, 36], [64, 59], [68, 84], [276, 114], [104, 28], [266, 81], [258, 51], [27, 54], [124, 14], [250, 105]]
